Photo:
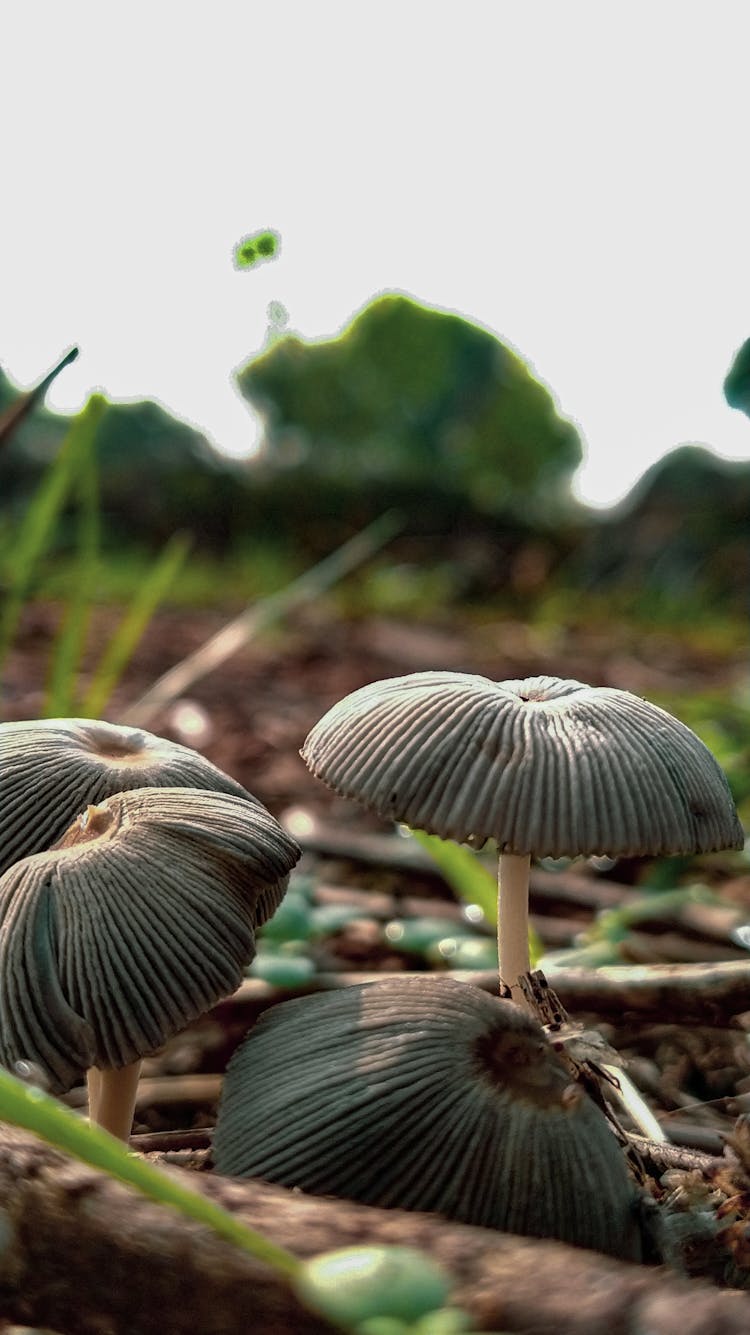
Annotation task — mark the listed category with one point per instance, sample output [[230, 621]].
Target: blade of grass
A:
[[41, 517], [37, 1112], [472, 882], [12, 418], [122, 645], [70, 642], [463, 871], [241, 629]]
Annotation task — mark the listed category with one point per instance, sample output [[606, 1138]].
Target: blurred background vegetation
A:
[[410, 410], [414, 409]]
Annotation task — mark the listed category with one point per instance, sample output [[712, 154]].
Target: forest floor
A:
[[251, 716]]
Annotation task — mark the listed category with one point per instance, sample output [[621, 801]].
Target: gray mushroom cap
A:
[[425, 1094], [50, 769], [140, 920], [542, 765]]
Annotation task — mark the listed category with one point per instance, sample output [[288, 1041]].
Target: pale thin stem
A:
[[93, 1084], [114, 1099], [513, 920]]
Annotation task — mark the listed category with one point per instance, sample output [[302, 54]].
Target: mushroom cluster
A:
[[426, 1094], [142, 913]]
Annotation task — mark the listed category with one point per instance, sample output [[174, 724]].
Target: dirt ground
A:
[[252, 713]]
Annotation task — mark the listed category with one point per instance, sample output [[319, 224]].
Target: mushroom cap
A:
[[425, 1094], [50, 769], [137, 922], [542, 765]]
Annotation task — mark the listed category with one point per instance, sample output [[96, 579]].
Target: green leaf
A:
[[71, 639], [42, 514], [470, 880], [121, 647], [463, 871]]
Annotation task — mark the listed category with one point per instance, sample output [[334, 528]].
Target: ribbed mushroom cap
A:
[[425, 1094], [140, 920], [50, 769], [543, 766]]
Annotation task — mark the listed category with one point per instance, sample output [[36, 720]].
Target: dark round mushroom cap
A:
[[543, 766], [50, 769], [426, 1094], [138, 921]]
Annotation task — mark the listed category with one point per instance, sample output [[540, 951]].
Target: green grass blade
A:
[[30, 1108], [41, 516], [70, 642], [121, 647], [469, 879], [463, 871]]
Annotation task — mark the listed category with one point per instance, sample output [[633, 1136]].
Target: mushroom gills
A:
[[141, 919], [426, 1094]]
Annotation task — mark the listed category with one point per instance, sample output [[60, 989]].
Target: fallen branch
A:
[[704, 994], [192, 1149], [161, 1091], [83, 1255]]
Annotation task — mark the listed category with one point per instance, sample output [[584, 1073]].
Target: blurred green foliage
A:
[[679, 538], [27, 539], [737, 383], [408, 394], [409, 408]]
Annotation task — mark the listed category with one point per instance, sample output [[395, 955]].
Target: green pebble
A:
[[465, 952], [291, 921], [330, 918], [415, 936], [357, 1283], [281, 970]]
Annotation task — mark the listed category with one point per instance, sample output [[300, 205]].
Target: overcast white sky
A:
[[572, 174]]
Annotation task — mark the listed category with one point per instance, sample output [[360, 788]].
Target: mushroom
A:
[[426, 1094], [141, 918], [50, 769], [543, 766]]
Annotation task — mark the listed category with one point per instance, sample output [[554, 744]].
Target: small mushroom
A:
[[426, 1094], [51, 769], [140, 919], [543, 766]]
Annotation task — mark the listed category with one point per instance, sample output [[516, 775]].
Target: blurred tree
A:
[[156, 473], [415, 396], [737, 383], [682, 531]]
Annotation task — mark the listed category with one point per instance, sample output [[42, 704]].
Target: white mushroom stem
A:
[[112, 1098], [513, 920]]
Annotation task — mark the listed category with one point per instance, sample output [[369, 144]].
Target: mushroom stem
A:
[[513, 920], [112, 1098], [93, 1085]]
